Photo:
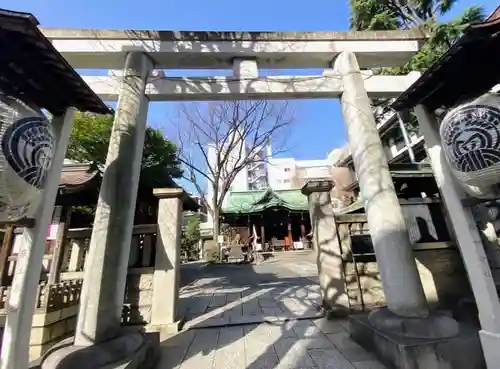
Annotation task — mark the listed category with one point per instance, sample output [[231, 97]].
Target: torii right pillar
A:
[[405, 333]]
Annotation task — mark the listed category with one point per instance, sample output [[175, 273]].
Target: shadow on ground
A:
[[265, 320]]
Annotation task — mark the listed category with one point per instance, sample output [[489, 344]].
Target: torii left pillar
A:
[[99, 340]]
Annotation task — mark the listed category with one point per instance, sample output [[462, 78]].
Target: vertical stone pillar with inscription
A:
[[327, 246], [165, 313]]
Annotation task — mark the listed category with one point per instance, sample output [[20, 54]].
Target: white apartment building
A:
[[288, 173], [257, 174]]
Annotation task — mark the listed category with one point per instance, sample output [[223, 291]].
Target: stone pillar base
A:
[[130, 351], [435, 326], [463, 351]]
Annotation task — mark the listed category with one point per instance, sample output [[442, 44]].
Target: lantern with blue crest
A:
[[27, 144]]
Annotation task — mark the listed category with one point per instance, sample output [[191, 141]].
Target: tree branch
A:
[[237, 130]]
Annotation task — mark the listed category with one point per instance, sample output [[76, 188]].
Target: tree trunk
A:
[[216, 227]]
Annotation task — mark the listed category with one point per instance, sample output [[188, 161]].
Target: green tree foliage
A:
[[424, 15], [89, 144], [191, 237]]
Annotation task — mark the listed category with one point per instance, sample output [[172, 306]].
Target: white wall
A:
[[281, 172], [240, 182], [319, 169]]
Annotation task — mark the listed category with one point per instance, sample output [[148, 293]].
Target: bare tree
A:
[[217, 140]]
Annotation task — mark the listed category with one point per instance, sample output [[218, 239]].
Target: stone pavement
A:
[[258, 317], [218, 305], [246, 294], [303, 344]]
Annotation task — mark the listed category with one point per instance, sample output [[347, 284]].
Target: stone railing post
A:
[[327, 245], [76, 253], [165, 313], [62, 230]]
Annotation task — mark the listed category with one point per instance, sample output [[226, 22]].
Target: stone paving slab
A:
[[260, 317], [208, 305], [306, 344]]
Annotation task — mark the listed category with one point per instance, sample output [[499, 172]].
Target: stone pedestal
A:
[[407, 311], [327, 246], [127, 351], [165, 314], [462, 351]]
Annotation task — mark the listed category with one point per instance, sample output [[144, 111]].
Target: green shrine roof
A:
[[257, 201]]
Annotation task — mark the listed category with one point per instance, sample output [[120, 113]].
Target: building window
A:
[[287, 169], [286, 181]]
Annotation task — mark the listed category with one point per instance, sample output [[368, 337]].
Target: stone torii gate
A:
[[136, 59]]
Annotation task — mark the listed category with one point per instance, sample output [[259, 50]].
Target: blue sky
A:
[[319, 127]]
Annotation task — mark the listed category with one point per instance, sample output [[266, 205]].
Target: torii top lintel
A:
[[93, 48]]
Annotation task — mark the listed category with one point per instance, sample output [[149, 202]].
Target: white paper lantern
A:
[[470, 135], [27, 144]]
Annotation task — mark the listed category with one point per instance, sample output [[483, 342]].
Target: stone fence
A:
[[57, 303], [55, 313], [438, 261], [154, 256], [348, 269]]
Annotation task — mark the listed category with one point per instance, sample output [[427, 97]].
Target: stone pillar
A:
[[407, 314], [249, 226], [21, 305], [303, 232], [289, 229], [468, 239], [75, 254], [403, 289], [62, 229], [327, 246], [101, 303], [165, 312]]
